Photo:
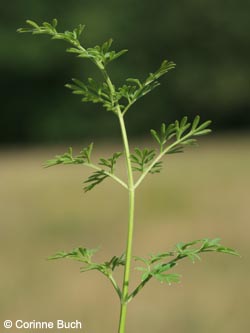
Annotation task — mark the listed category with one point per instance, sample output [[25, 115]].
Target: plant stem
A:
[[139, 287], [111, 175], [112, 280], [131, 197], [124, 298]]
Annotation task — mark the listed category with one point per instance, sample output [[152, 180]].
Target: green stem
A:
[[131, 190], [142, 284], [124, 299], [112, 280], [127, 107], [139, 287], [111, 175]]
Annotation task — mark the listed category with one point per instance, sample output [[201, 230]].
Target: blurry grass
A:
[[202, 193]]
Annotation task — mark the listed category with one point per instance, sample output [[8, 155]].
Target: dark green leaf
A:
[[96, 178], [142, 158], [110, 162], [116, 262]]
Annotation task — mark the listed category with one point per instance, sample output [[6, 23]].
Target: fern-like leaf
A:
[[183, 133], [93, 92], [135, 89], [96, 178], [100, 175], [141, 159], [68, 158], [110, 162]]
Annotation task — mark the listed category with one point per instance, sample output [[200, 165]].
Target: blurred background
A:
[[202, 193], [208, 40]]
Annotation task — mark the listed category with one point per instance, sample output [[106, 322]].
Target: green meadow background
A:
[[201, 193]]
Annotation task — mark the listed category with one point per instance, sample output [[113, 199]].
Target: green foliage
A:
[[116, 262], [101, 55], [93, 92], [85, 255], [141, 159], [165, 134], [79, 254], [50, 29], [156, 265], [193, 249], [98, 176], [171, 139], [84, 157], [208, 79], [100, 93], [183, 132], [68, 158], [158, 271], [136, 89], [110, 162]]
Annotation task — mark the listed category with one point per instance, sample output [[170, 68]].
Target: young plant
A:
[[171, 139]]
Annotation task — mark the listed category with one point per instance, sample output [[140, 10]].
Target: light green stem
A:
[[124, 298], [131, 190], [111, 175], [112, 280]]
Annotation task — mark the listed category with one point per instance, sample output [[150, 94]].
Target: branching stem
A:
[[131, 190], [115, 285], [131, 197], [143, 282], [111, 175], [127, 108]]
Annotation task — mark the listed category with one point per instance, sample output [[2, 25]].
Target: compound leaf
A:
[[68, 158], [93, 91], [96, 178], [116, 262], [100, 175], [110, 162], [79, 254], [182, 131], [135, 89], [141, 159]]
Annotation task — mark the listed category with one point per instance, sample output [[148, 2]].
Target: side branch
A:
[[84, 158], [143, 282], [158, 158], [158, 268], [115, 285], [109, 174]]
